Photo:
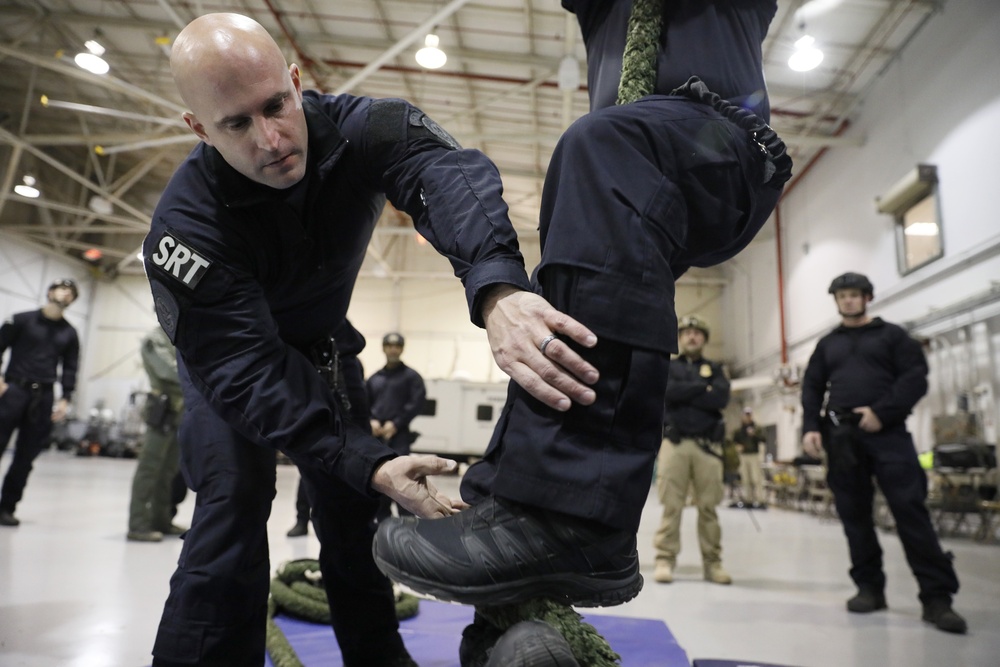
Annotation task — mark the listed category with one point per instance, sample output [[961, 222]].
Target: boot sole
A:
[[577, 590]]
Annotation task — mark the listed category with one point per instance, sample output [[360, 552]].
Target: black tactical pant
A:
[[29, 410], [890, 457]]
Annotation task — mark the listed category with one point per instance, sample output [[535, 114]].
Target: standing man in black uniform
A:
[[636, 193], [40, 341], [871, 374], [396, 394], [252, 255], [691, 454]]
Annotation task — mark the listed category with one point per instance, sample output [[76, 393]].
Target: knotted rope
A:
[[641, 46]]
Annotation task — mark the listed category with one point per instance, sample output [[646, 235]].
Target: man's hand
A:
[[3, 386], [812, 443], [404, 479], [60, 410], [870, 423], [517, 322], [388, 430], [376, 428]]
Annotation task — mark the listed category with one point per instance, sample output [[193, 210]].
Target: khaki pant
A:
[[679, 466], [752, 477]]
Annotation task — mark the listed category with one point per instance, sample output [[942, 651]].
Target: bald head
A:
[[242, 97], [213, 48]]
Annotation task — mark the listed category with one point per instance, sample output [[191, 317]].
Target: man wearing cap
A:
[[872, 373], [396, 395], [749, 443], [39, 341], [691, 453]]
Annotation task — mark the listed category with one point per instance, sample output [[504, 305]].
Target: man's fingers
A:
[[563, 355]]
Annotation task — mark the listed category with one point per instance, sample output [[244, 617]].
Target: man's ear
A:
[[196, 126]]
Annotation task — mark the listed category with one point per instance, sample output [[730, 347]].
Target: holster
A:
[[158, 413], [842, 439], [326, 358]]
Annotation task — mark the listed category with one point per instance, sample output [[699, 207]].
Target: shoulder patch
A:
[[167, 311], [420, 119], [179, 260]]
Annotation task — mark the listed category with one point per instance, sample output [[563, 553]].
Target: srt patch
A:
[[179, 261]]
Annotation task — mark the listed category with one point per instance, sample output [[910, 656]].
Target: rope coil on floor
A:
[[297, 590]]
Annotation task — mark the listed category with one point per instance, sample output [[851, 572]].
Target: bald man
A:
[[252, 256]]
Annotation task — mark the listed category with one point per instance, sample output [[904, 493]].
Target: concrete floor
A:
[[75, 593]]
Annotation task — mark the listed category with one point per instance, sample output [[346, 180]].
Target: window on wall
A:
[[919, 234], [913, 203]]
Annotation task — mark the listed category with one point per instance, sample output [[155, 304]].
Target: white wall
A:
[[938, 104]]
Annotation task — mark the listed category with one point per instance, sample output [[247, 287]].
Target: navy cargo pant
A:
[[634, 196], [215, 613], [29, 410], [891, 458]]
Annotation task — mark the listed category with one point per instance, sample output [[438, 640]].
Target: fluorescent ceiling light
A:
[[92, 63], [94, 47], [431, 57], [921, 229], [27, 188], [807, 56]]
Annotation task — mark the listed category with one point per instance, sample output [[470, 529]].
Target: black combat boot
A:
[[938, 612], [866, 601]]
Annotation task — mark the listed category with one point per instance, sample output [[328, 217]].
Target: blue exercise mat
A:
[[433, 636]]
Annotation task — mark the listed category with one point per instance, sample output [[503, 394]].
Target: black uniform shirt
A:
[[244, 277], [878, 365], [697, 391], [396, 395], [37, 345], [717, 40], [750, 442]]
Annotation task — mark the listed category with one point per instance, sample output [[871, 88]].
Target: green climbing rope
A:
[[641, 46], [589, 648], [298, 591]]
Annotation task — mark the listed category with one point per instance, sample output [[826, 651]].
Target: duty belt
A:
[[326, 357], [30, 385]]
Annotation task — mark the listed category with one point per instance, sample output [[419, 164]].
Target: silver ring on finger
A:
[[545, 343]]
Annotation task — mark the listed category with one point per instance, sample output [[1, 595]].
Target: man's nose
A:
[[268, 135]]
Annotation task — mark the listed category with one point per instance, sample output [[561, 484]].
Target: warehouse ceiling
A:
[[102, 147]]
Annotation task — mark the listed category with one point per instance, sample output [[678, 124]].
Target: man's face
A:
[[61, 296], [691, 341], [253, 116], [851, 302], [392, 352]]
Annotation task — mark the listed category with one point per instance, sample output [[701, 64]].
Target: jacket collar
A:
[[326, 144]]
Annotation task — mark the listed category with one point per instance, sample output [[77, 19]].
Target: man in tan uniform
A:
[[691, 453]]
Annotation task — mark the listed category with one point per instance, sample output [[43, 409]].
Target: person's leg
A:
[[709, 489], [217, 608], [626, 188], [904, 484], [362, 606], [148, 472], [12, 407], [853, 496], [757, 473], [162, 504], [32, 438], [673, 477]]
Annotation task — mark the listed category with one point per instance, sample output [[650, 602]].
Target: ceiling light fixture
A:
[[807, 56], [27, 188], [431, 56], [91, 59]]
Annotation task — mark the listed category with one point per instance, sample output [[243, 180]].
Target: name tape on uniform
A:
[[180, 261]]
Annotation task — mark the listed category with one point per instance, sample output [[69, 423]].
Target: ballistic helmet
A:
[[65, 282], [393, 339], [856, 281], [693, 322]]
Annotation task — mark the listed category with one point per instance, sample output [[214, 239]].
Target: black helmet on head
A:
[[850, 280], [693, 322], [65, 282], [393, 339]]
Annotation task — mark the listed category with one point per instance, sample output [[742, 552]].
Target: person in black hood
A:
[[872, 373]]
